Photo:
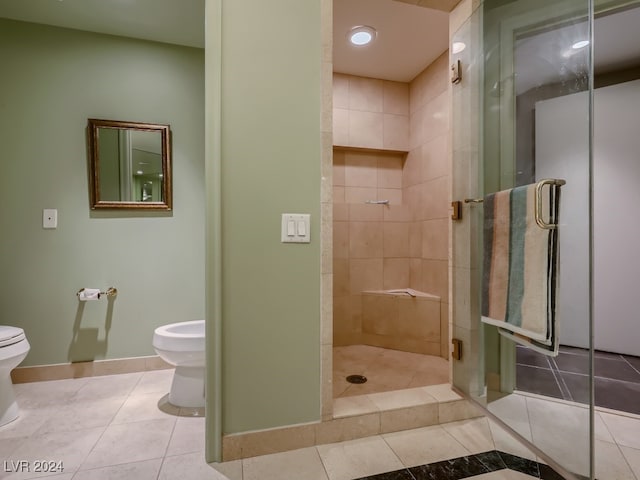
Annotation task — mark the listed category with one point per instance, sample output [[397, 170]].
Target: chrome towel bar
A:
[[538, 202]]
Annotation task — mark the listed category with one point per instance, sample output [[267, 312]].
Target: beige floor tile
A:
[[188, 436], [473, 434], [512, 410], [632, 457], [231, 470], [358, 458], [146, 470], [601, 430], [435, 377], [9, 445], [108, 386], [50, 393], [131, 442], [140, 407], [81, 415], [28, 422], [505, 442], [296, 464], [561, 432], [610, 463], [386, 369], [625, 430], [424, 445], [442, 392], [71, 450], [156, 381], [357, 405], [401, 398], [191, 465]]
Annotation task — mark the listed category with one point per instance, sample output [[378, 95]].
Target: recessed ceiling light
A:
[[580, 44], [139, 172], [457, 47], [361, 35]]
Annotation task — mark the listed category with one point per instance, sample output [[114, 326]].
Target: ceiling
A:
[[179, 22], [409, 37], [421, 34]]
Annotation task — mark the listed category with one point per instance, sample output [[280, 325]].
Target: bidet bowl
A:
[[182, 344]]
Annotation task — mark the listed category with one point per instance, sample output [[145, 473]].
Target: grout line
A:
[[630, 364], [394, 452]]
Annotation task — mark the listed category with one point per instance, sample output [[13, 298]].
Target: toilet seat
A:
[[10, 335]]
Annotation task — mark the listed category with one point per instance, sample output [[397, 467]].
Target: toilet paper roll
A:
[[89, 294]]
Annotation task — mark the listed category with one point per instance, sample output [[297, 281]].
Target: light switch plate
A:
[[50, 218], [301, 230]]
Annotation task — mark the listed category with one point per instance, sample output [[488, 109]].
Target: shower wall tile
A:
[[341, 277], [340, 126], [411, 172], [398, 213], [390, 171], [366, 213], [396, 97], [435, 277], [365, 240], [347, 316], [415, 273], [359, 194], [435, 240], [395, 132], [396, 240], [365, 94], [436, 117], [435, 158], [396, 273], [340, 210], [444, 330], [379, 314], [339, 162], [341, 91], [370, 113], [365, 274], [366, 129], [394, 195], [361, 169], [436, 199], [340, 240], [416, 129], [429, 83], [419, 318], [413, 197], [415, 240]]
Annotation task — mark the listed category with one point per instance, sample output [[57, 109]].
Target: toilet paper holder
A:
[[110, 293]]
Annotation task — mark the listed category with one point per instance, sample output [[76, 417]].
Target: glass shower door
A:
[[536, 124]]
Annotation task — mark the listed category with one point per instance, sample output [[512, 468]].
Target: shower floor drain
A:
[[356, 379]]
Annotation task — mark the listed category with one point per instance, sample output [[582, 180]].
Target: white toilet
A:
[[182, 344], [13, 349]]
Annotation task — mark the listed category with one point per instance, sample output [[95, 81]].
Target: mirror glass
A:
[[130, 165]]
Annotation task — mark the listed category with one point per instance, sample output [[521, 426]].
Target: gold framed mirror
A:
[[129, 165]]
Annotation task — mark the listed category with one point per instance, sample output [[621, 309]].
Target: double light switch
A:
[[295, 228]]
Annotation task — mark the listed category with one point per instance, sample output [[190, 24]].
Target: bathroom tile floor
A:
[[384, 369], [617, 377], [111, 427]]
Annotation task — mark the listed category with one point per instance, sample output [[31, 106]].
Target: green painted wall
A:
[[270, 162], [53, 80]]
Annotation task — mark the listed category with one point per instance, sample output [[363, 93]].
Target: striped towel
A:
[[520, 266]]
